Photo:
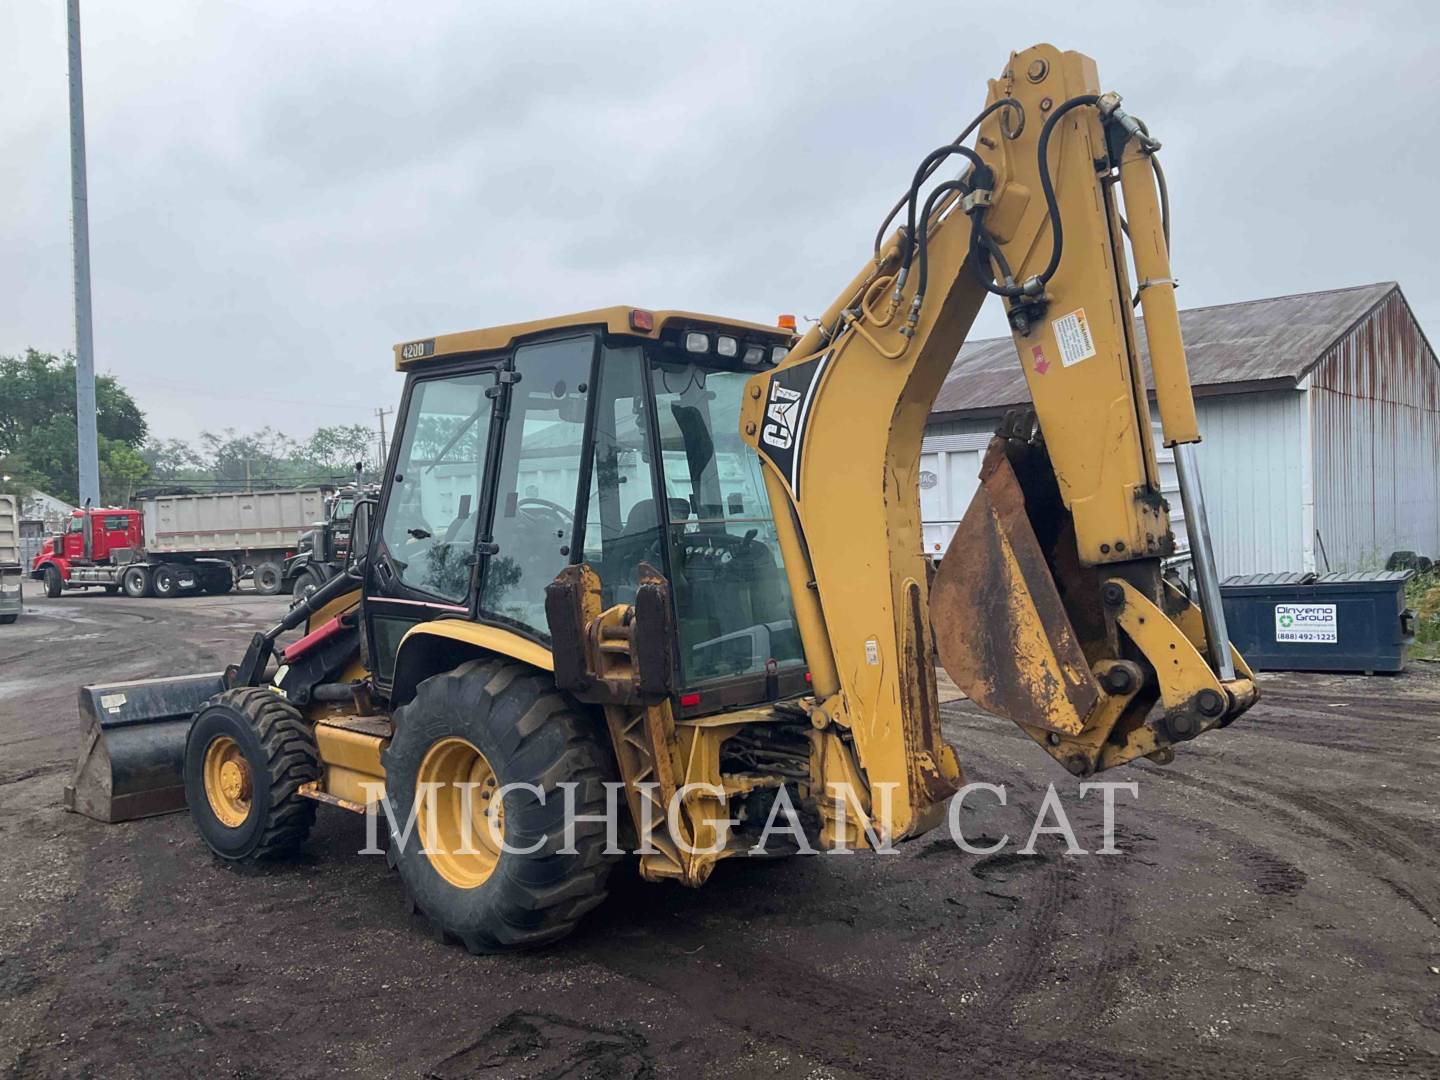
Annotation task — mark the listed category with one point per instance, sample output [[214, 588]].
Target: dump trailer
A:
[[677, 558], [171, 544], [12, 572]]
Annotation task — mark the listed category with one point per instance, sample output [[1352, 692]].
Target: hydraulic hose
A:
[[1048, 186], [936, 194], [969, 129], [927, 166]]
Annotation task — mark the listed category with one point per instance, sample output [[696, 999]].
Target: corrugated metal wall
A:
[[1256, 476], [1375, 418], [1252, 465]]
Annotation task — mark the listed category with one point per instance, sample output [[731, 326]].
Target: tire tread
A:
[[546, 894], [291, 759]]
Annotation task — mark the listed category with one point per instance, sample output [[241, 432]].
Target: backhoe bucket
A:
[[132, 755], [1001, 628]]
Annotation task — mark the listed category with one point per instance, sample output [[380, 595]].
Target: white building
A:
[[1320, 415]]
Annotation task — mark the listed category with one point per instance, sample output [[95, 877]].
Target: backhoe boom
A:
[[1049, 606]]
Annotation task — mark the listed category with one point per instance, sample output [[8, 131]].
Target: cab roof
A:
[[614, 320]]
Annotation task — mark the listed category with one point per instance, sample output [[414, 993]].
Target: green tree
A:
[[259, 458], [37, 425], [337, 449], [121, 468], [13, 470], [174, 459]]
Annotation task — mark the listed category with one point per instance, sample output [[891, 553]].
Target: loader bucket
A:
[[132, 755], [1001, 627]]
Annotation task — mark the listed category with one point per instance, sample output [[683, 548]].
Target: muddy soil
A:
[[1273, 912]]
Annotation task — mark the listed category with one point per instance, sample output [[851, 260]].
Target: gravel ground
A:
[[1273, 911]]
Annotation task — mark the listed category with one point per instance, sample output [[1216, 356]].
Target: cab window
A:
[[538, 477], [624, 525], [732, 598], [434, 507]]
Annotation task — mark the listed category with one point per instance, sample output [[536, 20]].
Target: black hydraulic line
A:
[[981, 238], [927, 166], [1047, 185], [923, 240], [982, 244], [969, 129]]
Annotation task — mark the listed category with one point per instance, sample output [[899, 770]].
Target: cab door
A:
[[73, 539], [537, 480], [423, 560]]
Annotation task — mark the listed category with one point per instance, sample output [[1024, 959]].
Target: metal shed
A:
[[1321, 419]]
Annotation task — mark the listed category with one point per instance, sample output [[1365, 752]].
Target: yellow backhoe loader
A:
[[681, 555]]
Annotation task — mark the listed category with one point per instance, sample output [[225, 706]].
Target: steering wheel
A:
[[565, 515]]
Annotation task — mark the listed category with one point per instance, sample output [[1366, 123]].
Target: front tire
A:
[[308, 582], [497, 722], [54, 583], [247, 754], [268, 578], [135, 582]]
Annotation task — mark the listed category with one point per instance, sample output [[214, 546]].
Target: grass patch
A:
[[1422, 592]]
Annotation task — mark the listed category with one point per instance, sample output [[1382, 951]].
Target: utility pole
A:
[[384, 441], [85, 436]]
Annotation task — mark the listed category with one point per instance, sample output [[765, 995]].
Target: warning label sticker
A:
[[1072, 335], [1316, 623]]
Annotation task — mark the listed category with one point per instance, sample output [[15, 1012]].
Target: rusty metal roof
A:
[[1257, 344]]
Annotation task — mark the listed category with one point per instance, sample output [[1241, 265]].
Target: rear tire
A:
[[54, 583], [528, 733], [135, 582], [6, 620], [270, 752], [268, 578], [163, 583]]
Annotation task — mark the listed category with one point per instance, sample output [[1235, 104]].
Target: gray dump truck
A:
[[12, 572]]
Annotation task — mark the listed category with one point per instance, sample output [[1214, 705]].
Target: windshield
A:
[[732, 598]]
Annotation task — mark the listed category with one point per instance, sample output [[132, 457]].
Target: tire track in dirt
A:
[[851, 1025], [1340, 830]]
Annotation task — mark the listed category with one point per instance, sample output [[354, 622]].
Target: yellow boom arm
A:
[[1049, 607]]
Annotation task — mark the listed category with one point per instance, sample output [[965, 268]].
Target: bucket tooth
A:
[[132, 753]]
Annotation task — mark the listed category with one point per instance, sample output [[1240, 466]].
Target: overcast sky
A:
[[281, 191]]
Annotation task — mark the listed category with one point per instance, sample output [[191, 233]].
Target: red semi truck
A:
[[106, 547], [169, 544]]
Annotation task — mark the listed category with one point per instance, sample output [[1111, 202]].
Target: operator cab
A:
[[609, 438]]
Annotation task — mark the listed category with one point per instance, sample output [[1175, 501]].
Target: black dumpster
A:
[[1320, 622]]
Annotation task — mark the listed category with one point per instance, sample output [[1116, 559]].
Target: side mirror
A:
[[360, 530]]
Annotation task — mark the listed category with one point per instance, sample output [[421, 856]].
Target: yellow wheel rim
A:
[[228, 784], [460, 821]]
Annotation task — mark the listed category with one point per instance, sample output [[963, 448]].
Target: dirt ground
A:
[[1274, 911]]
